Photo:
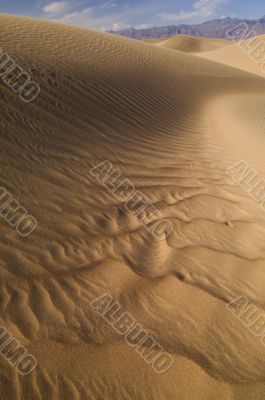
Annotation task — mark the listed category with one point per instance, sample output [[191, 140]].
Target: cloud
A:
[[56, 7], [119, 26], [105, 18], [109, 4], [90, 18], [111, 14], [201, 9], [142, 26], [81, 18]]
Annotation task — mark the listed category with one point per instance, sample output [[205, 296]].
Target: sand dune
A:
[[153, 41], [192, 44], [241, 56], [173, 123]]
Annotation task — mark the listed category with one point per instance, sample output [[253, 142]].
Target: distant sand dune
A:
[[242, 57], [153, 41], [192, 44], [173, 123]]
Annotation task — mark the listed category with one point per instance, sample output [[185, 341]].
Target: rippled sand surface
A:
[[172, 123]]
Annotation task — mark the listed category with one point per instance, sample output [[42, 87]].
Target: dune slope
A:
[[173, 123], [247, 55]]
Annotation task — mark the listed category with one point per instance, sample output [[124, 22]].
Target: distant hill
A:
[[215, 29]]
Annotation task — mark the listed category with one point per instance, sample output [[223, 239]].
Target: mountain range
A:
[[216, 29]]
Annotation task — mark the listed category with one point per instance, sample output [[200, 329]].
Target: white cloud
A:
[[119, 27], [106, 16], [109, 4], [56, 7], [81, 18], [201, 9], [142, 26], [89, 18]]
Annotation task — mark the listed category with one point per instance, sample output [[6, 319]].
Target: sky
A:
[[121, 14]]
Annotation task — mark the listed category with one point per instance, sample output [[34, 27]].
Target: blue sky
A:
[[119, 14]]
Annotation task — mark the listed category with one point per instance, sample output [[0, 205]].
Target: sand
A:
[[192, 44], [153, 41], [173, 123], [241, 55]]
